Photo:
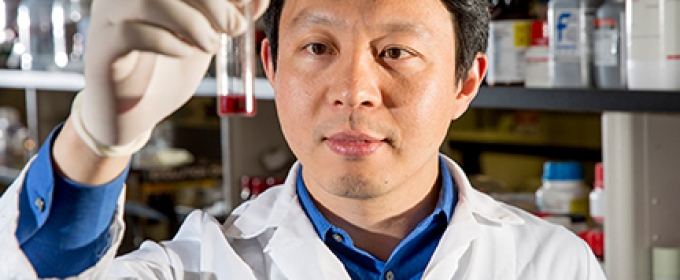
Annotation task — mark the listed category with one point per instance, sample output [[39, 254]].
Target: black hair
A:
[[470, 22]]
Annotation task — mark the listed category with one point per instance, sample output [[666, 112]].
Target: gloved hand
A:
[[144, 60]]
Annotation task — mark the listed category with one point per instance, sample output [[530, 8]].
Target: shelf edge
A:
[[64, 81]]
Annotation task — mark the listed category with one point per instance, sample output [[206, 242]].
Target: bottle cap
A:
[[562, 171], [599, 176]]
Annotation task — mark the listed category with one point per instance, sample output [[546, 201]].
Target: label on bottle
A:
[[537, 67], [508, 42], [606, 42], [671, 29], [579, 206], [566, 39], [645, 30], [563, 204], [653, 44]]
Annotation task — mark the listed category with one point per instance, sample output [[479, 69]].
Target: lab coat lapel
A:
[[294, 247], [475, 244], [453, 252], [299, 253]]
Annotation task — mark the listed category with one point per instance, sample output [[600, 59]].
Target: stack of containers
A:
[[615, 45]]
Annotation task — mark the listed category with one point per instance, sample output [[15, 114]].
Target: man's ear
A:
[[267, 61], [468, 86]]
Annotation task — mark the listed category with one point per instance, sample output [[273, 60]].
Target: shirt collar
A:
[[445, 205]]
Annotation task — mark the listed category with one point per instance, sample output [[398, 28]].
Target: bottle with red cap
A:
[[595, 236], [597, 198], [537, 67]]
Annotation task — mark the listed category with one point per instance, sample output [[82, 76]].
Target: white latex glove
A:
[[144, 60]]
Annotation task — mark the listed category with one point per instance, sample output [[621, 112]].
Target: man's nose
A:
[[356, 82]]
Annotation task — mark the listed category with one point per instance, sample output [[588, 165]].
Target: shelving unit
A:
[[574, 100]]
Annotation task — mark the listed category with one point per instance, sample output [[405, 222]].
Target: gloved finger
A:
[[133, 65], [146, 37], [181, 19], [257, 6], [223, 15]]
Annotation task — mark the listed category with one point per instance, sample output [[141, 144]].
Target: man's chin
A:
[[356, 187]]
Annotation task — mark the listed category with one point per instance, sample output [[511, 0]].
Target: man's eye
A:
[[395, 53], [317, 49]]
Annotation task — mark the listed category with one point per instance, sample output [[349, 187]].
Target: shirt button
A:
[[389, 275], [338, 238], [40, 203]]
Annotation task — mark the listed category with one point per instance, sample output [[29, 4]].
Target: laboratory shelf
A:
[[578, 100], [72, 82], [500, 97], [7, 175]]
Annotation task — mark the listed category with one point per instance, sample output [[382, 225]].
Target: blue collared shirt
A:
[[409, 258], [63, 226]]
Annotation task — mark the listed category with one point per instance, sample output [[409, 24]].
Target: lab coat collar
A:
[[474, 211], [267, 211], [278, 209], [280, 204], [478, 203]]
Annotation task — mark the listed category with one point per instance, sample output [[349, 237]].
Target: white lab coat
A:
[[271, 238]]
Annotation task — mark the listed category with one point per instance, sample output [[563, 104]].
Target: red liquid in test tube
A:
[[235, 104]]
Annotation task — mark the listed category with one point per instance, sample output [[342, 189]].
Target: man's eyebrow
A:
[[406, 27], [309, 18]]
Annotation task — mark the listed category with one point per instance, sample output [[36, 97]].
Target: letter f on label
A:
[[562, 21]]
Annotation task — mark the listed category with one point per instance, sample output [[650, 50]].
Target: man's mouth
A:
[[350, 144]]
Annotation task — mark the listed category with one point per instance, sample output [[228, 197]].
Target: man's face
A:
[[365, 91]]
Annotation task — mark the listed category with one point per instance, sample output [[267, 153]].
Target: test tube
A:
[[235, 61]]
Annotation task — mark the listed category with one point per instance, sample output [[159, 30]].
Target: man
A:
[[365, 91]]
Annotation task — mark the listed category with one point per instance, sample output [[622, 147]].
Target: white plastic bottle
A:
[[609, 49], [509, 39], [571, 24], [595, 235], [536, 58], [653, 44], [597, 197], [563, 191]]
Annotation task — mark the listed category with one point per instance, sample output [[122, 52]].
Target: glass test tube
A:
[[236, 61]]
